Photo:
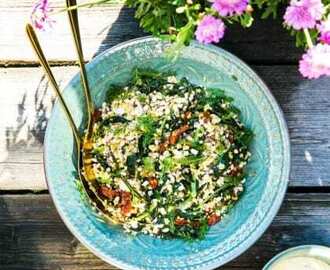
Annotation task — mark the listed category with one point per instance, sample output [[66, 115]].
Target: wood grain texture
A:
[[108, 25], [306, 107], [27, 107], [32, 236]]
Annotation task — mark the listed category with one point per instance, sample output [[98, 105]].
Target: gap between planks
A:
[[291, 190], [63, 63]]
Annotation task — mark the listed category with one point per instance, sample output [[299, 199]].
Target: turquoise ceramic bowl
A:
[[269, 167]]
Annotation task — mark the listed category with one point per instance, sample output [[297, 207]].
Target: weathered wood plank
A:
[[108, 25], [32, 236], [26, 106], [306, 107]]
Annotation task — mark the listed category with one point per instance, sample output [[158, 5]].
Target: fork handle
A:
[[44, 63]]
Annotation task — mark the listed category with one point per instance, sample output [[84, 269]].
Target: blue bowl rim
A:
[[277, 203]]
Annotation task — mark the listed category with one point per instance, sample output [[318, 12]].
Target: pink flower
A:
[[210, 29], [324, 29], [39, 17], [230, 7], [303, 13], [316, 8], [325, 37], [316, 62]]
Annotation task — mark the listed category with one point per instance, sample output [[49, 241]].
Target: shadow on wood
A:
[[31, 123], [124, 28]]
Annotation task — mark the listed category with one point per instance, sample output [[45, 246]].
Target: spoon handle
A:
[[44, 63], [74, 24]]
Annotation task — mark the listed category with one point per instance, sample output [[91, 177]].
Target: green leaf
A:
[[113, 93], [246, 137], [229, 182], [147, 125], [246, 20], [189, 160], [168, 164], [131, 163], [193, 187], [268, 8], [148, 165]]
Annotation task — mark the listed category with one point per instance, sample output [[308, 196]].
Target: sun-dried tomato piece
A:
[[187, 115], [153, 182], [235, 171], [163, 146], [177, 133], [108, 192], [173, 138], [213, 219], [182, 129], [180, 221], [126, 202]]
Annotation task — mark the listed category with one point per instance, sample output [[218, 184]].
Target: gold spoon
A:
[[74, 24], [87, 145], [92, 194]]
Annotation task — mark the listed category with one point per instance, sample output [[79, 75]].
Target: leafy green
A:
[[148, 165], [157, 16], [190, 232], [221, 149], [229, 182], [113, 93], [119, 130], [131, 163], [193, 188], [104, 178], [269, 8], [245, 137], [189, 160], [168, 164], [148, 80], [148, 126], [101, 159]]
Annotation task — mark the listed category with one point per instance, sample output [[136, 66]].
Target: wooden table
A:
[[32, 236]]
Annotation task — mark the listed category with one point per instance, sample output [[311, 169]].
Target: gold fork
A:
[[44, 63]]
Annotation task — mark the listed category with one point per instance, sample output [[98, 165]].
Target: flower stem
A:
[[88, 4], [308, 38]]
